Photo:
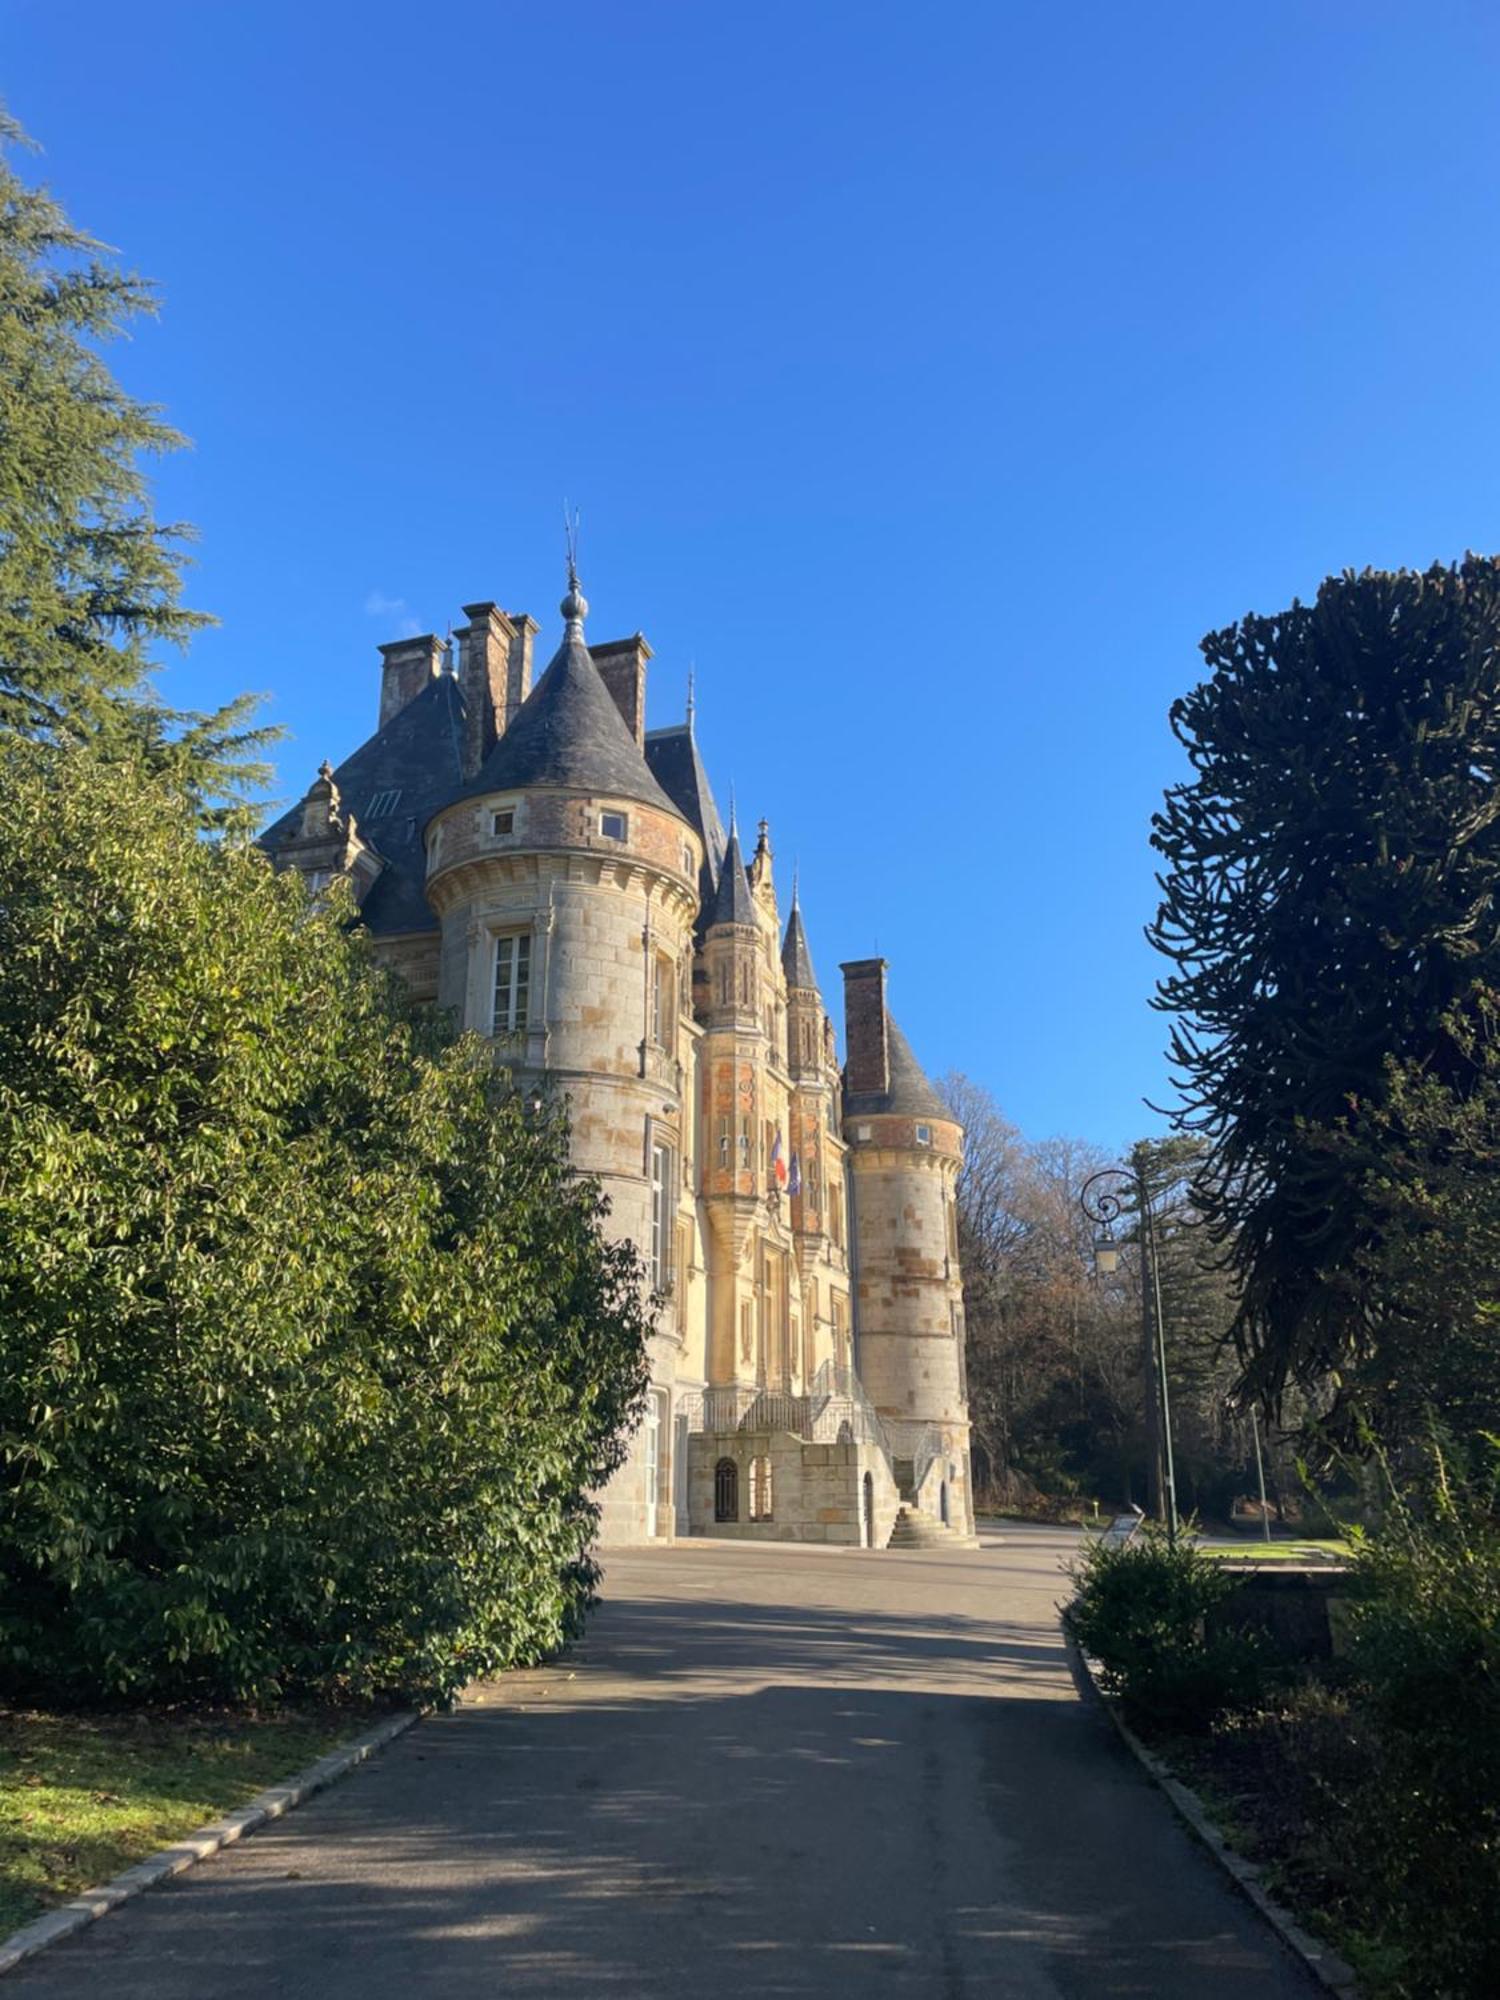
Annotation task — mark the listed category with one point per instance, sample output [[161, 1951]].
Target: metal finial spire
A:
[[575, 606], [796, 876], [692, 706], [734, 821]]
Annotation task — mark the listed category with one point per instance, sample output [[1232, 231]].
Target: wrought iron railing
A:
[[833, 1408]]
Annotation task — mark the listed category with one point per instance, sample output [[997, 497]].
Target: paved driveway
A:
[[768, 1771]]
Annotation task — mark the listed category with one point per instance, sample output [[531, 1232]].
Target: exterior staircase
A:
[[914, 1530]]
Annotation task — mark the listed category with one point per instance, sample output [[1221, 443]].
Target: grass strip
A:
[[83, 1796]]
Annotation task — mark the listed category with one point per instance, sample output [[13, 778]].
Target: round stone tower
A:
[[905, 1151], [566, 884]]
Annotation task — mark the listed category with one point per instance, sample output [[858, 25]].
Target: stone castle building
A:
[[559, 877]]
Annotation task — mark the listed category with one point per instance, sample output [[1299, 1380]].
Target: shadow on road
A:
[[716, 1798]]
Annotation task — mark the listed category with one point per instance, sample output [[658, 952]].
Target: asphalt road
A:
[[768, 1772]]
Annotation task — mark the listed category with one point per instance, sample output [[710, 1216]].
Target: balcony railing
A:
[[834, 1408]]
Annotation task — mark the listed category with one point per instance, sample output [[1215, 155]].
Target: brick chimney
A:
[[622, 668], [407, 665], [494, 674], [867, 1064]]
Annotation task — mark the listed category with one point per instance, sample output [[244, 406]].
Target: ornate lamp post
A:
[[1104, 1197]]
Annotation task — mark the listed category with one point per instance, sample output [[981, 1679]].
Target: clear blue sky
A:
[[933, 377]]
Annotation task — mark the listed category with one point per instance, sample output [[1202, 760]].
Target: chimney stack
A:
[[494, 674], [407, 666], [867, 1063], [622, 668]]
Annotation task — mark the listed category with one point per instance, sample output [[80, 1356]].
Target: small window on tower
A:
[[504, 821], [924, 1135], [613, 825], [687, 859]]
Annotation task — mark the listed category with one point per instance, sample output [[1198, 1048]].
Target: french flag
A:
[[778, 1164]]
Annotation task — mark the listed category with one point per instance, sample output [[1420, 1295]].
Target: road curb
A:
[[195, 1847], [1325, 1965]]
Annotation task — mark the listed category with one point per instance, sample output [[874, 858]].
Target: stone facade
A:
[[557, 878], [805, 1492]]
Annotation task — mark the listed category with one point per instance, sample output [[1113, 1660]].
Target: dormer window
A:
[[613, 826], [503, 820]]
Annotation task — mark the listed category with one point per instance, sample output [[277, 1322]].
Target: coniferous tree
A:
[[1329, 907], [90, 582]]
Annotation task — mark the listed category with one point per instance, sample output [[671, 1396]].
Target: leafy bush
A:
[[1372, 1792], [311, 1350], [1425, 1650], [1140, 1611]]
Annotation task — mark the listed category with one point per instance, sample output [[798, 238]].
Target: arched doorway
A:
[[726, 1490], [869, 1511], [943, 1502]]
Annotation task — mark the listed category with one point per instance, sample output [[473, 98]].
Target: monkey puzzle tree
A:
[[1329, 908]]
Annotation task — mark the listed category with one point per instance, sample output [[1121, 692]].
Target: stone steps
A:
[[914, 1530]]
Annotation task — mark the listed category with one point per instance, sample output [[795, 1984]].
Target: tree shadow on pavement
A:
[[721, 1798]]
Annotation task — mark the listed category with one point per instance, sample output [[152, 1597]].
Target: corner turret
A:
[[905, 1151]]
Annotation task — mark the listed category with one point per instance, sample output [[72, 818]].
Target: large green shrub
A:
[[1140, 1610], [311, 1349], [1425, 1650]]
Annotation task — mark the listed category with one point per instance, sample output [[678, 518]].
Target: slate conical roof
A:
[[569, 732], [672, 755], [909, 1093], [733, 903], [796, 959]]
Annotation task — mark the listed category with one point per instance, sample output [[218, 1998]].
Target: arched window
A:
[[726, 1490]]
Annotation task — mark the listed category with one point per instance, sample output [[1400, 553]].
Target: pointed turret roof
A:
[[672, 755], [796, 959], [733, 904], [909, 1093], [569, 733]]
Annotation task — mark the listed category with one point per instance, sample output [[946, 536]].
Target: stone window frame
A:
[[838, 1313], [662, 1245], [518, 1017], [663, 1013]]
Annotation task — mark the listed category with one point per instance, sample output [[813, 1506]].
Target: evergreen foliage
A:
[[1142, 1610], [1428, 1156], [1329, 907], [90, 582], [310, 1347]]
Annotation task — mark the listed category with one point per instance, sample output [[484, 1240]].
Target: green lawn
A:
[[1256, 1549], [83, 1796]]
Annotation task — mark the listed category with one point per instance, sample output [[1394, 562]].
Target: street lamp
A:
[[1103, 1198]]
